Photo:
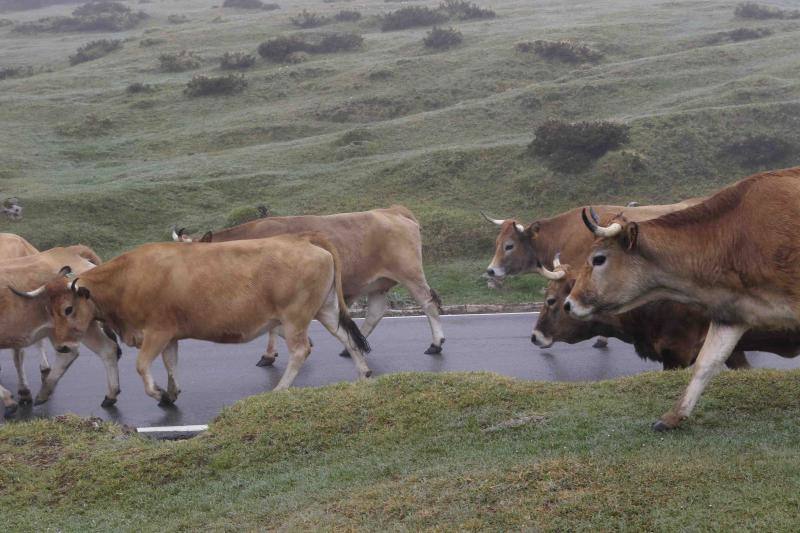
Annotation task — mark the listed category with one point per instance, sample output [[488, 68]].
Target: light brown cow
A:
[[379, 249], [24, 323], [230, 292], [735, 254]]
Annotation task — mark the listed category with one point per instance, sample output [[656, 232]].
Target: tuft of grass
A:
[[139, 88], [566, 51], [95, 50], [201, 85], [178, 62], [348, 15], [573, 146], [463, 10], [411, 17], [442, 38], [307, 19], [251, 4], [428, 451], [237, 61], [759, 150]]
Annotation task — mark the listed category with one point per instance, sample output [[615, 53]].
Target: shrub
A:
[[139, 88], [285, 48], [739, 34], [337, 42], [412, 17], [150, 41], [567, 51], [92, 16], [346, 15], [441, 38], [94, 50], [180, 62], [463, 10], [307, 19], [250, 4], [236, 60], [751, 10], [15, 72], [177, 19], [573, 146], [202, 85], [758, 150], [279, 48]]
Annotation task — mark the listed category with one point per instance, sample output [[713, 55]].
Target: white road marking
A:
[[173, 429], [468, 314]]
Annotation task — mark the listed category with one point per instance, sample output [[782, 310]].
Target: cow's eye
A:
[[509, 247], [598, 260], [68, 311], [551, 302]]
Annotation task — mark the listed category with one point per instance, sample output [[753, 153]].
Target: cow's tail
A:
[[88, 254], [345, 320]]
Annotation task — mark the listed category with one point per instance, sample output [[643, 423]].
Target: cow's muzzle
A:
[[63, 349]]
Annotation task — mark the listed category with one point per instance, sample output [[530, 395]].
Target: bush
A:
[[149, 41], [236, 60], [180, 62], [412, 17], [441, 38], [283, 49], [307, 19], [139, 88], [94, 50], [751, 10], [250, 4], [566, 51], [15, 72], [92, 16], [346, 15], [739, 34], [279, 48], [464, 10], [573, 146], [202, 85], [177, 19], [758, 150], [337, 42]]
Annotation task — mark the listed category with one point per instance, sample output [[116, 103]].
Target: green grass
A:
[[412, 451], [444, 133]]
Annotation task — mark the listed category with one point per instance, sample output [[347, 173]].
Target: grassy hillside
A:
[[407, 452], [444, 132]]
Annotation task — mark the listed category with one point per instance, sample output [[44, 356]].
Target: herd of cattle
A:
[[698, 282]]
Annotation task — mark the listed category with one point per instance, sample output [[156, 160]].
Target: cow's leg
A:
[[62, 362], [271, 354], [109, 352], [431, 305], [738, 361], [299, 348], [377, 303], [720, 341], [44, 364], [170, 357], [328, 316], [23, 389], [9, 405], [152, 345]]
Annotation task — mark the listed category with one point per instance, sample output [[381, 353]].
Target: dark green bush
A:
[[180, 62], [236, 61], [758, 150], [202, 85], [337, 42], [739, 34], [347, 15], [307, 19], [92, 16], [279, 48], [94, 50], [441, 38], [571, 147], [463, 10], [16, 72], [752, 10], [566, 51], [250, 4], [412, 17], [139, 88], [283, 48]]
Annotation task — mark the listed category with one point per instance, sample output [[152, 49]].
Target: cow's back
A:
[[13, 246]]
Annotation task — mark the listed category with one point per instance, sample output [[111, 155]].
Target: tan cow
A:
[[736, 255], [24, 323], [229, 292], [379, 249]]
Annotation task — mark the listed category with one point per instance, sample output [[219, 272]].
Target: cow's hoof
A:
[[344, 353], [661, 426], [166, 401], [10, 411], [25, 400], [433, 350], [108, 402], [600, 343], [266, 360], [39, 400], [368, 374], [310, 342]]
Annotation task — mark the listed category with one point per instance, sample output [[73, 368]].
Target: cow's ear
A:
[[83, 292], [631, 235], [533, 229], [207, 237]]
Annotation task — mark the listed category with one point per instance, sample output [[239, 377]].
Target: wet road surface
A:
[[212, 376]]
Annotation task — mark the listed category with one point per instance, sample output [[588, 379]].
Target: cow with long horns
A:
[[735, 255]]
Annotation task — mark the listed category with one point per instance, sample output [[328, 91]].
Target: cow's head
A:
[[514, 251], [180, 235], [70, 306], [613, 277], [555, 324]]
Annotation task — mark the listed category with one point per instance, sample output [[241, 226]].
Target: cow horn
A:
[[550, 274], [520, 228], [498, 222], [178, 235], [557, 261], [600, 231], [29, 295]]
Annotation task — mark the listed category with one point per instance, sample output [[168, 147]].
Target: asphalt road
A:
[[212, 376]]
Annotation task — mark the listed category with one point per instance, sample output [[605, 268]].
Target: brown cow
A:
[[24, 323], [379, 249], [664, 331], [735, 255], [229, 292]]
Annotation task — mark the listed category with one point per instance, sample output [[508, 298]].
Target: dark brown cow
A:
[[664, 331], [229, 292], [735, 255], [380, 248]]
